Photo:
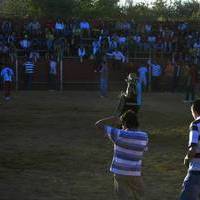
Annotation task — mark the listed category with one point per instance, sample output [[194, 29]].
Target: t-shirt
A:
[[194, 138], [129, 147], [7, 74]]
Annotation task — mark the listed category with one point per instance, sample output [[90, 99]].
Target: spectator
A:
[[81, 53], [103, 79], [29, 69], [7, 76], [190, 83], [34, 56], [52, 73], [59, 27], [25, 44], [143, 72], [155, 74]]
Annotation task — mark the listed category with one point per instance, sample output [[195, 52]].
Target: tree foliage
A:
[[159, 10]]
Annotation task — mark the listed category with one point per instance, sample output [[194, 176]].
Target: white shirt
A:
[[118, 55], [25, 43], [53, 67], [84, 25], [81, 52], [59, 26], [7, 74]]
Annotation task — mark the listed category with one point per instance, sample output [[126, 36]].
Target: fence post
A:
[[61, 75], [149, 63], [16, 74]]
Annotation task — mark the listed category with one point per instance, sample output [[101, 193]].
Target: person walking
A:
[[191, 184], [130, 143]]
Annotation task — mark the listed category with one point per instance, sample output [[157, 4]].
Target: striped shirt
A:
[[129, 147], [194, 139], [29, 67]]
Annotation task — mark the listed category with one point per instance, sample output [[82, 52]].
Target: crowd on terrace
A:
[[92, 38]]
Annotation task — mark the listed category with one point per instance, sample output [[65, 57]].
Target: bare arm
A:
[[107, 121], [190, 154]]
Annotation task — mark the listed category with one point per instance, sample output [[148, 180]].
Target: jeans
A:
[[191, 186], [128, 187]]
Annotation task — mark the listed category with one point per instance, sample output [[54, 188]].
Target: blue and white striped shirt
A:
[[29, 67], [194, 139], [129, 147]]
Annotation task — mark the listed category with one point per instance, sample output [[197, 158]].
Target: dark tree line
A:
[[109, 9]]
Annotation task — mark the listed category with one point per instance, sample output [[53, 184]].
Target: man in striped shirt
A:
[[129, 146], [191, 185], [29, 69]]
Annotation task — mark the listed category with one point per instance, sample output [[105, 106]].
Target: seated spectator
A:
[[137, 40], [152, 41], [95, 47], [122, 40], [81, 53], [112, 44], [34, 56], [6, 27], [148, 28], [25, 43], [197, 45], [85, 28], [59, 27], [34, 27], [49, 36]]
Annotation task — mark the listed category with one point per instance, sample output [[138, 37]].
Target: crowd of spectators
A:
[[119, 40], [92, 38]]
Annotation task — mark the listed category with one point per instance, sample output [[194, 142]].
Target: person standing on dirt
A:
[[103, 79], [191, 83], [129, 146], [191, 185], [7, 76]]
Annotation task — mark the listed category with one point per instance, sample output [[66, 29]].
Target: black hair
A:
[[129, 119], [196, 106]]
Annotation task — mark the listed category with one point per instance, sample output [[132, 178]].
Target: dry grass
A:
[[50, 149]]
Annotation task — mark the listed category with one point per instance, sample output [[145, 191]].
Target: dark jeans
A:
[[52, 82], [191, 186], [29, 81]]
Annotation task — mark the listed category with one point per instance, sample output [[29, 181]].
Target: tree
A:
[[20, 8]]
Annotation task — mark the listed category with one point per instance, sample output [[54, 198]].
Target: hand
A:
[[186, 161]]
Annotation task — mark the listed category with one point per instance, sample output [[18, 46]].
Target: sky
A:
[[122, 2]]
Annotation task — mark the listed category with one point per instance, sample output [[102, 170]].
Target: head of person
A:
[[195, 108], [129, 120]]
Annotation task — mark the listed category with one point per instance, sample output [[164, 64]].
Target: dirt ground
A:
[[50, 149]]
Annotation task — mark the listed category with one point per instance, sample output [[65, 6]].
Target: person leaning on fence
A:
[[129, 146], [7, 76], [191, 185]]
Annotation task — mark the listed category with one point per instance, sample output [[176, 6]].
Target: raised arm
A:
[[107, 121]]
